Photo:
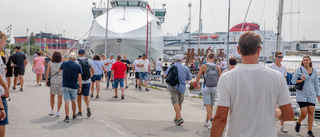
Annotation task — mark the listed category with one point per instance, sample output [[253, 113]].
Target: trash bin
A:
[[47, 60]]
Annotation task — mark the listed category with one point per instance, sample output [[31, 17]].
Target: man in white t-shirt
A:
[[158, 68], [109, 62], [277, 66], [144, 70], [135, 70], [248, 94], [223, 65]]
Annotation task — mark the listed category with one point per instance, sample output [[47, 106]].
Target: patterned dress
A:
[[55, 81]]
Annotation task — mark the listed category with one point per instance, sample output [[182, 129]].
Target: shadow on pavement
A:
[[45, 119], [62, 125], [203, 133], [175, 129]]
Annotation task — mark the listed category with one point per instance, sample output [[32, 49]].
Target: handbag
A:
[[48, 81], [299, 86]]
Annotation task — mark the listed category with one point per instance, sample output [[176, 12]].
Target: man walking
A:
[[144, 69], [136, 70], [88, 71], [20, 62], [4, 90], [177, 91], [109, 62], [71, 77], [118, 71], [128, 64], [251, 91], [277, 66], [158, 68]]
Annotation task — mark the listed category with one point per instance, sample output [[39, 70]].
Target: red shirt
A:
[[119, 69]]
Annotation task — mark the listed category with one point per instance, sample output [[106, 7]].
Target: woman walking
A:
[[98, 72], [9, 68], [306, 98], [55, 81], [38, 67]]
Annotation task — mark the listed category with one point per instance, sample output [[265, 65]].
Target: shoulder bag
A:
[[299, 86]]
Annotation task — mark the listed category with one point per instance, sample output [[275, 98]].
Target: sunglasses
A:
[[280, 57]]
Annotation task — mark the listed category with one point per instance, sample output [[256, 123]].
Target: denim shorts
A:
[[116, 81], [143, 76], [69, 94], [5, 121], [158, 72], [85, 90], [209, 96], [95, 78]]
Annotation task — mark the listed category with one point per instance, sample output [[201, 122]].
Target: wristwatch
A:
[[1, 108]]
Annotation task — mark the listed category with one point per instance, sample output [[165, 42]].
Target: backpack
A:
[[212, 76], [85, 69], [172, 77]]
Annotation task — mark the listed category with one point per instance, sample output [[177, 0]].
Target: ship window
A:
[[160, 13], [122, 3], [113, 4], [133, 3], [142, 4]]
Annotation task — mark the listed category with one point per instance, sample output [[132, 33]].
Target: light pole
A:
[[9, 35], [45, 43], [60, 43], [57, 42], [40, 40], [51, 45]]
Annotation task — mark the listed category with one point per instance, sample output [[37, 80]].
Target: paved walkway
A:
[[140, 114]]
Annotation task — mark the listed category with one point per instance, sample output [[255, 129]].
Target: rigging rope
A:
[[246, 15]]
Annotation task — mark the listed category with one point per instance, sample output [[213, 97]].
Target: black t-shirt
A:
[[126, 62], [18, 59]]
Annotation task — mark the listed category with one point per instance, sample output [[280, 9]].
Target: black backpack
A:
[[85, 69], [172, 77]]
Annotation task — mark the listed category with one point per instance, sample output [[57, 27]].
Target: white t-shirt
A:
[[136, 69], [281, 69], [145, 67], [158, 66], [251, 91], [3, 74], [109, 65], [223, 64]]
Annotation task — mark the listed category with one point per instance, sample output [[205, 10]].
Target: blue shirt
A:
[[310, 89], [97, 65], [70, 74], [183, 75]]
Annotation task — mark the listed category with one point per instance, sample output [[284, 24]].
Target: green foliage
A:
[[7, 46], [33, 48]]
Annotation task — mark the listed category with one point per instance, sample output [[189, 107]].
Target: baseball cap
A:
[[111, 55], [17, 47], [139, 56], [81, 51]]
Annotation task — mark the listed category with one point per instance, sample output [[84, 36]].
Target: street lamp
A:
[[45, 43], [9, 28], [40, 40], [57, 40], [51, 44], [60, 43]]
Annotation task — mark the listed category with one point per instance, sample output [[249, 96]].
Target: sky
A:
[[74, 17]]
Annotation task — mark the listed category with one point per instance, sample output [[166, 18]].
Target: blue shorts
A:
[[95, 78], [69, 94], [143, 76], [158, 72], [5, 121], [116, 81], [209, 96], [85, 90]]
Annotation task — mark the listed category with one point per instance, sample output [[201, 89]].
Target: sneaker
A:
[[179, 122], [205, 124], [136, 86], [57, 114], [97, 96], [74, 117], [21, 89], [283, 130], [88, 112], [13, 88], [297, 128], [310, 134], [66, 119], [115, 97], [175, 120], [51, 113], [139, 88], [39, 84], [79, 114], [122, 97], [126, 87], [210, 124], [91, 95], [147, 89]]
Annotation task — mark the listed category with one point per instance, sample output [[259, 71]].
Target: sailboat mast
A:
[[106, 37], [279, 24], [200, 21], [228, 37]]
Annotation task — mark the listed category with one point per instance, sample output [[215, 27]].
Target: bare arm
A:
[[80, 82], [149, 70], [34, 63], [219, 70], [285, 113], [219, 121], [25, 63], [201, 71], [5, 86], [92, 71], [112, 74]]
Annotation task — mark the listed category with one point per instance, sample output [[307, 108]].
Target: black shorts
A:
[[137, 75], [9, 72], [305, 104], [18, 71]]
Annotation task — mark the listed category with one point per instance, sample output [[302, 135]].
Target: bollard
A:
[[187, 91]]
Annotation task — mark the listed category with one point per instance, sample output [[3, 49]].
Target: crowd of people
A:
[[242, 90]]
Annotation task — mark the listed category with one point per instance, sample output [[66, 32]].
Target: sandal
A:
[[91, 95], [115, 97], [97, 96]]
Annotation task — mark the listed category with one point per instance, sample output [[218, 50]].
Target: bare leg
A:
[[21, 81], [74, 107], [116, 91], [282, 123], [66, 106], [59, 102], [98, 87], [15, 80], [209, 112], [140, 83], [8, 81], [52, 101], [303, 114], [146, 83], [125, 79], [2, 130], [310, 117], [79, 102], [92, 87], [37, 78], [40, 78], [122, 91], [177, 109], [87, 100]]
